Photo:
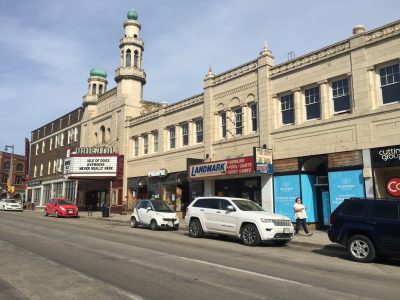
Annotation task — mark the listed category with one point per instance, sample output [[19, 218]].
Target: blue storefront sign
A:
[[286, 190], [345, 184]]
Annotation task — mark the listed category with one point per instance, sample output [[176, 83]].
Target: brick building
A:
[[18, 175]]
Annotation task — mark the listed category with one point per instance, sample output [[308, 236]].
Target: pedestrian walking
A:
[[301, 217]]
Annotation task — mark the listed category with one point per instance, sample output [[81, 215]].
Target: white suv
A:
[[154, 213], [237, 217]]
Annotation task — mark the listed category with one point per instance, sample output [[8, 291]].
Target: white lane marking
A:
[[246, 272]]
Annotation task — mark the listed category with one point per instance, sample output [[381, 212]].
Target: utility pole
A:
[[10, 176]]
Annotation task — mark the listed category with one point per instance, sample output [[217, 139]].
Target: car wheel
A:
[[56, 214], [361, 249], [250, 235], [195, 229], [45, 213], [133, 222], [279, 243], [153, 225]]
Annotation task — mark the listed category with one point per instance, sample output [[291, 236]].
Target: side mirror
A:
[[230, 208]]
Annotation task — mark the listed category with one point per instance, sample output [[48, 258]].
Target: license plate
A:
[[286, 230], [70, 211]]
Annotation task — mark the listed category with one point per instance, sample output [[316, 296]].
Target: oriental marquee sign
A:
[[94, 150], [86, 166]]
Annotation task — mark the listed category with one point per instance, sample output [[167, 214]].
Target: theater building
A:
[[309, 127]]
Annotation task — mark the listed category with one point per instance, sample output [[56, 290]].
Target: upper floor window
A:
[[19, 179], [94, 89], [313, 108], [34, 171], [49, 168], [185, 134], [103, 134], [145, 144], [75, 134], [128, 58], [69, 136], [41, 169], [253, 117], [155, 141], [5, 178], [222, 117], [238, 121], [171, 131], [37, 149], [340, 95], [20, 167], [43, 146], [6, 165], [135, 147], [287, 109], [390, 83], [136, 59], [51, 143], [100, 89], [199, 131]]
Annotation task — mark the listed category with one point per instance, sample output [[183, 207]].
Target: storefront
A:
[[236, 178], [385, 163], [322, 181], [97, 173], [174, 188]]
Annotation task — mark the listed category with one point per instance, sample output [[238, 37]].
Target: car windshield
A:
[[247, 205], [161, 206], [11, 201], [67, 202]]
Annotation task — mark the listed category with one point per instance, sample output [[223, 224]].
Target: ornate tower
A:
[[97, 85], [130, 76]]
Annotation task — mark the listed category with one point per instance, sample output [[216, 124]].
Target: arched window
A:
[[103, 134], [136, 59], [100, 89], [6, 165], [122, 58], [128, 58], [94, 89], [20, 167], [108, 134]]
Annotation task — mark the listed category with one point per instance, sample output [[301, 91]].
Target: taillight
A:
[[333, 219]]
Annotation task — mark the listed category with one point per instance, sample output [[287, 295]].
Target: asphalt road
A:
[[48, 258]]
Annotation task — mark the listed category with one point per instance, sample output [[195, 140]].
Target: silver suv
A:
[[238, 217]]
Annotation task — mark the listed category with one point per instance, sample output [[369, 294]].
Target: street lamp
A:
[[10, 176]]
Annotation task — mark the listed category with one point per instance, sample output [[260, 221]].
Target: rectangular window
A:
[[51, 143], [75, 134], [136, 147], [253, 117], [61, 139], [287, 109], [238, 121], [49, 168], [34, 171], [155, 141], [390, 84], [43, 146], [18, 180], [222, 117], [340, 95], [313, 108], [384, 210], [199, 131], [37, 149], [185, 134], [145, 144], [171, 131], [5, 178], [69, 137], [41, 169], [56, 142]]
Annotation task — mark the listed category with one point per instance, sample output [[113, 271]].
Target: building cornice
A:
[[235, 90], [235, 72]]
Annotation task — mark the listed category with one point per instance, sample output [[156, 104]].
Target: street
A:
[[48, 258]]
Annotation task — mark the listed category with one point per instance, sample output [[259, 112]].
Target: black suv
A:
[[367, 227]]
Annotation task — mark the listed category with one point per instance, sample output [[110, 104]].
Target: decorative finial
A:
[[265, 50], [210, 73]]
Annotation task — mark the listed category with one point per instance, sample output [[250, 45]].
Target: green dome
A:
[[98, 72], [132, 15]]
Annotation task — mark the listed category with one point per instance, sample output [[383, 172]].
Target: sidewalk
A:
[[319, 238]]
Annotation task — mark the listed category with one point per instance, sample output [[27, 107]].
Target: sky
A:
[[48, 47]]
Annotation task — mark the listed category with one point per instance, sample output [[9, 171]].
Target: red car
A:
[[61, 207]]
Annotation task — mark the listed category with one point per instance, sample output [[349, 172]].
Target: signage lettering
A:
[[234, 166], [91, 166], [96, 150], [393, 187]]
